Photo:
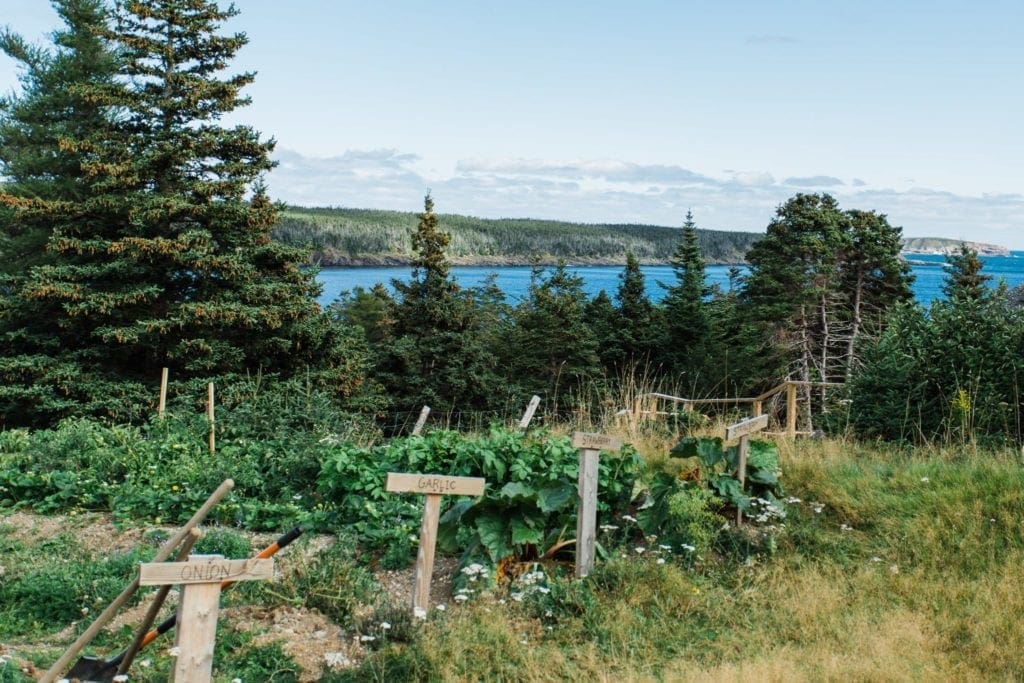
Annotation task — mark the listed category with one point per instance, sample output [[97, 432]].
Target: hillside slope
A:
[[372, 237]]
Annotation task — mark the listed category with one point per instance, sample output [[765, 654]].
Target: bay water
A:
[[514, 281]]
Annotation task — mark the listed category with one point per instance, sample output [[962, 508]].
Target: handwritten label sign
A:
[[748, 426], [211, 571], [595, 442], [434, 483]]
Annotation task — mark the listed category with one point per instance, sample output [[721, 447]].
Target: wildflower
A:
[[876, 558], [661, 560], [336, 660], [544, 589], [297, 496], [608, 527], [518, 597], [367, 639], [419, 613], [549, 613], [894, 569], [844, 527], [640, 550], [233, 680], [628, 518], [385, 625], [688, 548], [174, 651], [924, 479], [174, 488], [695, 590], [664, 547], [120, 678], [461, 597], [441, 607]]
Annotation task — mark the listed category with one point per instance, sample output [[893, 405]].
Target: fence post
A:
[[791, 409]]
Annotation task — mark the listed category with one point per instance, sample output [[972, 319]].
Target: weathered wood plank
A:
[[421, 421], [434, 483], [204, 571], [425, 554], [197, 626], [748, 426], [597, 442], [586, 519], [530, 410]]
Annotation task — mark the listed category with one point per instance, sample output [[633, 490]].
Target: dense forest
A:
[[371, 237]]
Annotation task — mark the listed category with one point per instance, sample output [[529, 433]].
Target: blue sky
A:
[[635, 112]]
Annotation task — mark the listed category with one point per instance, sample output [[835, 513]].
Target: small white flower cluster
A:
[[845, 527], [608, 527], [336, 660], [765, 511], [475, 571], [817, 507]]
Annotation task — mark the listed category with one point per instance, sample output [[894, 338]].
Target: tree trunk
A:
[[857, 296]]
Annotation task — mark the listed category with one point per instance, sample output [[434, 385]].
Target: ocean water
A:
[[515, 280]]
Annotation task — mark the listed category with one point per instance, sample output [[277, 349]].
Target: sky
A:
[[636, 112]]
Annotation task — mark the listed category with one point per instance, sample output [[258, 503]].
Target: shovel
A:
[[104, 670]]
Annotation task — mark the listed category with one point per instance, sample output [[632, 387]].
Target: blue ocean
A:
[[515, 280]]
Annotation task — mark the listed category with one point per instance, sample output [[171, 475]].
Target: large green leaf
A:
[[523, 533], [554, 497], [763, 455], [709, 451], [494, 534], [515, 489]]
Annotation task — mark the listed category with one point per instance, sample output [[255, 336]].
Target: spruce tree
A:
[[686, 316], [437, 354], [964, 279], [168, 260], [638, 319]]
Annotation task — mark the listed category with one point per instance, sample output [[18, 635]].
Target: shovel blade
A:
[[92, 670]]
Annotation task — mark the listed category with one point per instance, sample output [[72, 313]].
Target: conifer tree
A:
[[167, 261], [964, 279], [686, 316], [637, 316], [437, 355]]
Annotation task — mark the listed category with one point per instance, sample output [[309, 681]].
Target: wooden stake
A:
[[530, 410], [209, 414], [590, 446], [434, 486], [62, 664], [154, 607], [163, 393], [791, 409], [421, 421]]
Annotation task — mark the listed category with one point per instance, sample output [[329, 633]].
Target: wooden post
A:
[[154, 607], [421, 421], [209, 414], [638, 406], [434, 486], [165, 551], [531, 408], [201, 578], [791, 409], [743, 430], [163, 394], [758, 408], [586, 517]]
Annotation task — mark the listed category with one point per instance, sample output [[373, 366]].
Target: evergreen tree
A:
[[165, 261], [964, 279], [686, 317], [637, 316], [555, 349], [606, 324], [437, 355]]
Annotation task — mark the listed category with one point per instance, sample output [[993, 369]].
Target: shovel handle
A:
[[62, 664]]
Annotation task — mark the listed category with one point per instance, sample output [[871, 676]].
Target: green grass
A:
[[910, 571]]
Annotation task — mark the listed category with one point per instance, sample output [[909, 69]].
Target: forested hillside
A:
[[371, 237]]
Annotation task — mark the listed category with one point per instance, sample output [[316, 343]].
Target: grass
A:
[[911, 570]]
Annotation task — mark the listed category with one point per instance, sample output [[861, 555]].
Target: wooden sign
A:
[[200, 602], [162, 573], [434, 486], [586, 519], [743, 430], [748, 426], [596, 442], [434, 483]]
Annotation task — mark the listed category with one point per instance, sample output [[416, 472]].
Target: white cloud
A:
[[616, 191]]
